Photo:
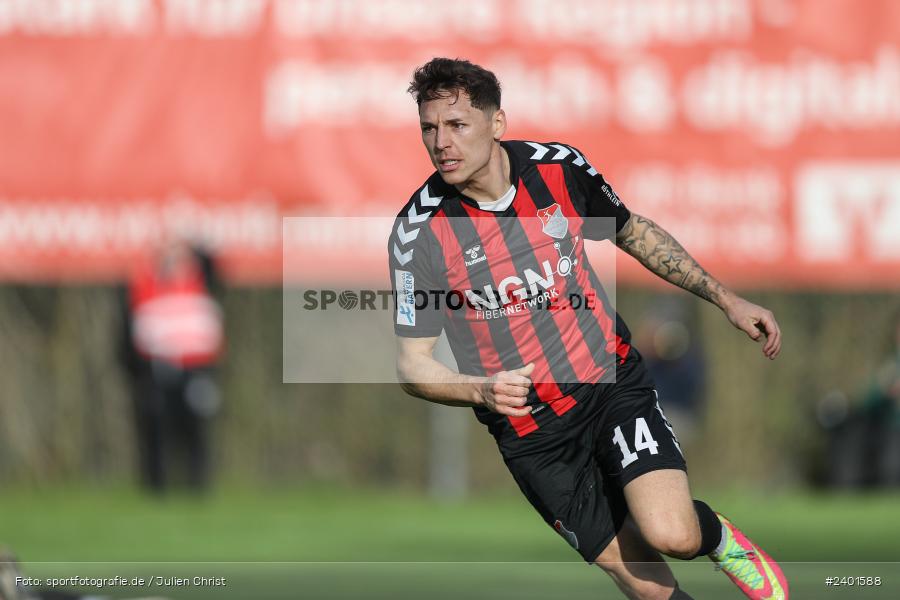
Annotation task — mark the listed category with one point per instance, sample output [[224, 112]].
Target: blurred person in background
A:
[[173, 340], [882, 402], [864, 440], [598, 461], [676, 361]]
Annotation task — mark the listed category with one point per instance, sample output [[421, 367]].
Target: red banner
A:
[[763, 134]]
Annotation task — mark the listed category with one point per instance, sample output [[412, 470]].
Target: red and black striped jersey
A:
[[514, 286]]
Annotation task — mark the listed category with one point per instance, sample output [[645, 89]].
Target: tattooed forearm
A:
[[657, 250]]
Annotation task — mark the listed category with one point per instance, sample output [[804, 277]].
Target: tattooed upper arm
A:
[[626, 230], [631, 238]]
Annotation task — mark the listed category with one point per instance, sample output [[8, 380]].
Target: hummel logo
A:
[[472, 253]]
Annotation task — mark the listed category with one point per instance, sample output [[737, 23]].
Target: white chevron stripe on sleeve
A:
[[579, 160], [563, 151], [402, 257], [428, 200], [415, 217], [406, 237], [539, 150]]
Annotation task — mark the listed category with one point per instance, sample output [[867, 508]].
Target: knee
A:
[[673, 538]]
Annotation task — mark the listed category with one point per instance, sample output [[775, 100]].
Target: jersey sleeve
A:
[[418, 296], [597, 199]]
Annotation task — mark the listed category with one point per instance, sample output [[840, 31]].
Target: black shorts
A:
[[575, 478]]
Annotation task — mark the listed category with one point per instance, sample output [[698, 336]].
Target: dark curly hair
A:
[[441, 77]]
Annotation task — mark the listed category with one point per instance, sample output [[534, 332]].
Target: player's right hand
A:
[[505, 392]]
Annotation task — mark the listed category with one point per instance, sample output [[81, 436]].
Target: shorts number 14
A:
[[643, 440]]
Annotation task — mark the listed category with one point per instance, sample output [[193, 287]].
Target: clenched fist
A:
[[504, 393]]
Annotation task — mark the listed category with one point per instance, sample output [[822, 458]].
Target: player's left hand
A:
[[756, 322]]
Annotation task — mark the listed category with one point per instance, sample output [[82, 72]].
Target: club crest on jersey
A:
[[473, 254], [554, 222], [568, 535]]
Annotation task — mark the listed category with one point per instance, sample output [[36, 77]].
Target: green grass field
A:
[[328, 543]]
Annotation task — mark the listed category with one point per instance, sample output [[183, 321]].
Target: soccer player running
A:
[[498, 232]]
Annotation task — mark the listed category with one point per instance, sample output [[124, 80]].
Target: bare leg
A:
[[638, 570], [660, 503]]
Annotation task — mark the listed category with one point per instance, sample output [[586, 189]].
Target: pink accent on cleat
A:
[[752, 570]]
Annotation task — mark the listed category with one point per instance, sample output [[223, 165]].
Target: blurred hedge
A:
[[65, 413]]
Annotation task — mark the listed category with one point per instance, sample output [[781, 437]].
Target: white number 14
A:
[[642, 441]]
